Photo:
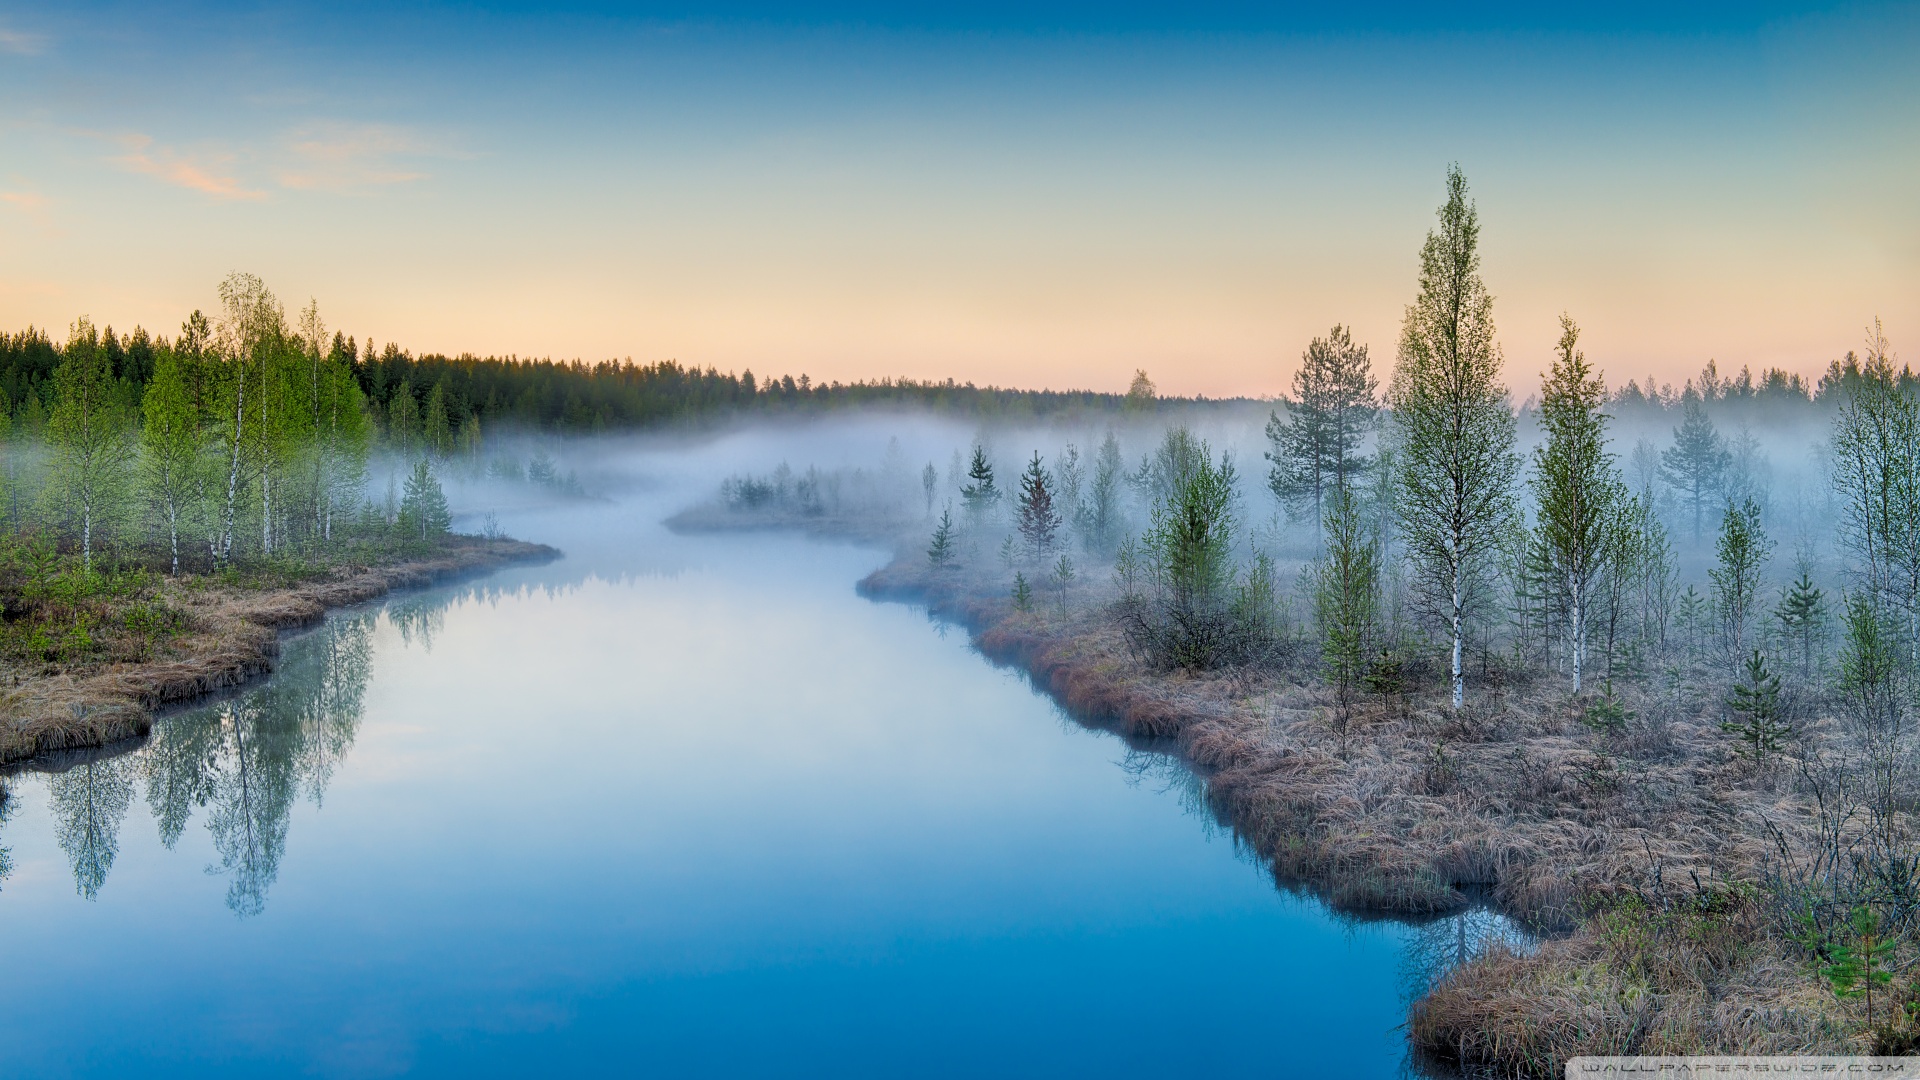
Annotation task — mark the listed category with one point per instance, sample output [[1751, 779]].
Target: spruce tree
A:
[[1576, 487], [1457, 463], [1037, 519], [1346, 590], [1022, 592], [423, 507], [1803, 617], [1695, 465], [1755, 704], [980, 495], [1317, 448], [941, 550]]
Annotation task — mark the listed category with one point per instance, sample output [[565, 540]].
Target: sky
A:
[[1035, 195]]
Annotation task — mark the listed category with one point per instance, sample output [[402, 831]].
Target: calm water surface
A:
[[670, 806]]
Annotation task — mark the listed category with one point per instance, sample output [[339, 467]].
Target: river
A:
[[672, 805]]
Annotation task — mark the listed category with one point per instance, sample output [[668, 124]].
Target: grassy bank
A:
[[86, 657]]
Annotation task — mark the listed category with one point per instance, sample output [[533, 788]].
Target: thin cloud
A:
[[22, 44], [174, 168], [352, 157], [25, 200]]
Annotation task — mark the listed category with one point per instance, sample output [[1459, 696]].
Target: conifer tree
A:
[[980, 495], [941, 550], [1022, 592], [929, 480], [1317, 448], [1457, 462], [1695, 465], [1803, 617], [435, 430], [1037, 521], [1576, 488], [1755, 704], [423, 507], [1346, 589], [403, 419], [1103, 495], [88, 437]]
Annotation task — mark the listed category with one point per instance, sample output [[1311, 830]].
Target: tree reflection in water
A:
[[244, 760]]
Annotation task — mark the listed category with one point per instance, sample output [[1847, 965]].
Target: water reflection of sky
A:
[[671, 805]]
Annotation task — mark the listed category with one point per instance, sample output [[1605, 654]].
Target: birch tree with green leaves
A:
[[1577, 489], [172, 457], [88, 436], [1457, 463]]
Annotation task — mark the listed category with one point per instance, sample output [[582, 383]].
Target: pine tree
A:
[[1317, 448], [1022, 592], [1803, 617], [1576, 487], [88, 437], [423, 508], [1037, 519], [1696, 464], [941, 550], [1743, 552], [980, 495], [1755, 704], [1457, 461]]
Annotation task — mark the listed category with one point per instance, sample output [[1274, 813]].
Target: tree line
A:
[[247, 435]]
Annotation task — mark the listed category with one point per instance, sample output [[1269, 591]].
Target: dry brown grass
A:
[[231, 634], [1512, 799]]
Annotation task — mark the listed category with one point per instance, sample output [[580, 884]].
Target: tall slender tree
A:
[[1457, 462], [1695, 466], [1038, 521], [1317, 447], [1576, 487], [88, 436], [172, 447]]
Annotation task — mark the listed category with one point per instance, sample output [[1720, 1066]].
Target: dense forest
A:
[[408, 394]]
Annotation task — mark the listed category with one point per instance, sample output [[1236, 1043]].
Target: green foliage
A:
[[88, 436], [1755, 704], [1802, 615], [1696, 464], [1346, 586], [1862, 964], [1022, 592], [1743, 551], [1037, 519], [1316, 449], [1191, 538], [1869, 675], [940, 551], [980, 495], [1577, 489], [423, 509], [1456, 457], [1607, 714]]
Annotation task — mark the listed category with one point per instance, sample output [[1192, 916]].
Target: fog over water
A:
[[673, 803]]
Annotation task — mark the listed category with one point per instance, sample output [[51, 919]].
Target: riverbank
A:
[[1665, 873], [97, 674]]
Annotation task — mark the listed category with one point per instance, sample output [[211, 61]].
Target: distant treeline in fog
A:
[[400, 388]]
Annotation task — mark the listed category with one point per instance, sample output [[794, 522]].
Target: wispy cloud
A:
[[29, 201], [352, 157], [204, 174], [22, 44]]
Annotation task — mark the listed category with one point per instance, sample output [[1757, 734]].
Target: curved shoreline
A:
[[236, 639]]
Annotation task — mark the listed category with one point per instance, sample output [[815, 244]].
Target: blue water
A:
[[669, 806]]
